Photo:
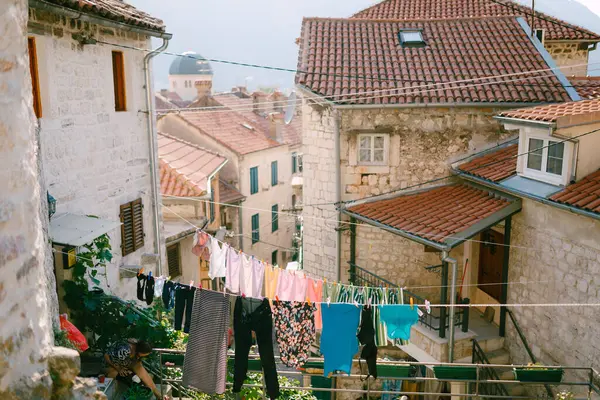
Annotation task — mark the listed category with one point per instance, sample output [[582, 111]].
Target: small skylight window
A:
[[411, 37], [248, 127]]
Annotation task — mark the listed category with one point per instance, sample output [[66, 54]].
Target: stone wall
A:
[[94, 159], [559, 254], [422, 142], [319, 246], [25, 325], [567, 55]]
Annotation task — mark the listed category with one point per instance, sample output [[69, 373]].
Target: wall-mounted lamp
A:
[[51, 205]]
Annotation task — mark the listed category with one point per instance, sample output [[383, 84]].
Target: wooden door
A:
[[491, 259]]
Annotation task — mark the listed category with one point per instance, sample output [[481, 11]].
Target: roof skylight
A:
[[411, 37]]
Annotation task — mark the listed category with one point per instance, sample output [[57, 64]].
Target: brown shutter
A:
[[119, 81], [174, 261], [132, 230], [35, 81]]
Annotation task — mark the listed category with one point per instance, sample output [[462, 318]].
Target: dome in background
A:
[[193, 65]]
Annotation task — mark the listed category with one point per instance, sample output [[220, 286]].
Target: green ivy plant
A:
[[109, 318], [138, 391]]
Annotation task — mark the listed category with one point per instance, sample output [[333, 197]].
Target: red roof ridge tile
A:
[[387, 20], [167, 135]]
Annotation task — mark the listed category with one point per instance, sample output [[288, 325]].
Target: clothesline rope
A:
[[335, 221]]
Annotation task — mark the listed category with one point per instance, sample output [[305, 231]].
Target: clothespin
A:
[[169, 277], [277, 299], [141, 271], [308, 301], [244, 295], [328, 301], [428, 306], [191, 283], [369, 302], [325, 280], [412, 304], [356, 303], [149, 275]]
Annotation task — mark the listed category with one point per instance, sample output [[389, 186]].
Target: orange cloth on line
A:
[[271, 277], [314, 293]]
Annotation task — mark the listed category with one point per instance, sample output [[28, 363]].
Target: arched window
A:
[[293, 201]]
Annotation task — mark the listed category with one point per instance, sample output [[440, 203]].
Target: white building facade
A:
[[94, 141]]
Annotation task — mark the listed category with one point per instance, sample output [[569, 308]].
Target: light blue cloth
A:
[[398, 320], [339, 343]]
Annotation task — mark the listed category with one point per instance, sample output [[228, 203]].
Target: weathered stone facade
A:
[[25, 326], [559, 253], [422, 141], [569, 54], [93, 159], [318, 140]]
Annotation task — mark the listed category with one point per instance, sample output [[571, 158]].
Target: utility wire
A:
[[423, 234], [539, 15], [334, 75], [397, 92]]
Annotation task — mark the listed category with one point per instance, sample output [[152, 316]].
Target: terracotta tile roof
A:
[[228, 193], [185, 167], [556, 112], [161, 103], [444, 9], [588, 87], [434, 214], [231, 130], [291, 134], [584, 194], [494, 166], [455, 50], [115, 10]]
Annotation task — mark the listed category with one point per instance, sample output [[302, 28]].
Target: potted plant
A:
[[455, 372], [394, 371], [538, 373]]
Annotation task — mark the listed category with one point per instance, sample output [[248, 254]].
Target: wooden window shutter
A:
[[119, 81], [132, 230], [174, 260], [35, 80]]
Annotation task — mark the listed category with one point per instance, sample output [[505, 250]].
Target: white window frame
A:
[[386, 148], [542, 175]]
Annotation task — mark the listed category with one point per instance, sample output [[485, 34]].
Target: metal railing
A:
[[479, 388], [433, 321], [487, 373], [526, 345]]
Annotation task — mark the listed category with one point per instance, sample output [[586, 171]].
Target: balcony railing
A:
[[487, 374], [433, 321]]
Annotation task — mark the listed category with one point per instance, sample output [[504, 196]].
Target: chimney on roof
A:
[[204, 88], [276, 126], [260, 102], [278, 101]]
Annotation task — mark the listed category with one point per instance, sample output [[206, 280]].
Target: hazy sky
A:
[[264, 32]]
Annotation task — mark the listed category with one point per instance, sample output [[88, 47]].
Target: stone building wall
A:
[[94, 159], [561, 250], [567, 55], [422, 142], [318, 140], [25, 325]]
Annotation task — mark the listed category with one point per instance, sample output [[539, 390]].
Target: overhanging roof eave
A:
[[404, 234]]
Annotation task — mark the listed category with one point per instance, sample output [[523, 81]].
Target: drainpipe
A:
[[338, 191], [152, 137], [448, 259]]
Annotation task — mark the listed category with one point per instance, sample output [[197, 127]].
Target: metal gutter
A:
[[447, 259], [549, 60], [526, 195], [152, 148], [211, 176], [519, 121], [410, 236], [437, 105], [68, 12]]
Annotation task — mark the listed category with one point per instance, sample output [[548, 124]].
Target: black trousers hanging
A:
[[184, 300], [366, 336], [254, 315]]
